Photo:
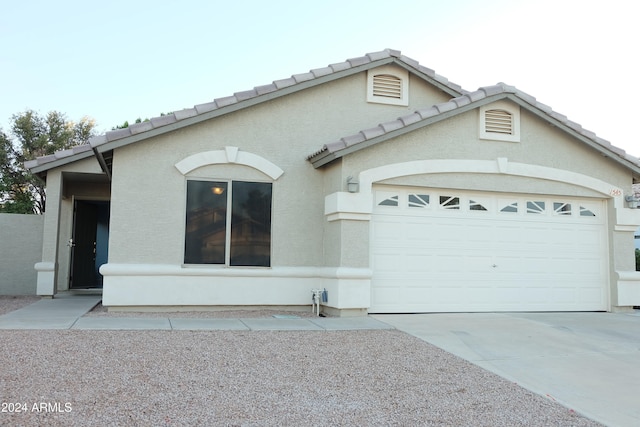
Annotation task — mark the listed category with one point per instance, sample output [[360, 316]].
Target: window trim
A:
[[229, 215], [510, 108], [402, 75]]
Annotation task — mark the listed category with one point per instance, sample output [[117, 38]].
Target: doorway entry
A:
[[89, 243]]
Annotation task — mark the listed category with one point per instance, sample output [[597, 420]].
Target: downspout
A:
[[102, 162]]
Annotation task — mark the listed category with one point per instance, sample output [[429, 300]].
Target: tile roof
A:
[[465, 102], [221, 105], [59, 157]]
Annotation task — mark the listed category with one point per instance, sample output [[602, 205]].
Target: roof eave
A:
[[44, 167], [321, 160], [180, 124], [326, 157], [606, 152], [445, 87]]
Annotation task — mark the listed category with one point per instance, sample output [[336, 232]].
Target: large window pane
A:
[[251, 224], [206, 222]]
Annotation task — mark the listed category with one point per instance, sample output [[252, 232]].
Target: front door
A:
[[89, 244]]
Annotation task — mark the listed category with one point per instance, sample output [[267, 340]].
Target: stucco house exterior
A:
[[374, 178]]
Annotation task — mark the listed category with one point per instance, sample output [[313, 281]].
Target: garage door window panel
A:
[[586, 212], [418, 200], [510, 208], [560, 208], [476, 206], [450, 202], [536, 207]]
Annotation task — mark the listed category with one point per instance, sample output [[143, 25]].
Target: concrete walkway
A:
[[589, 362], [66, 311], [60, 312]]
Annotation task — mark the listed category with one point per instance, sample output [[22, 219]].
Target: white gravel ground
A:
[[247, 378]]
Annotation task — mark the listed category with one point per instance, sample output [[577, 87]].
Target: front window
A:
[[228, 223]]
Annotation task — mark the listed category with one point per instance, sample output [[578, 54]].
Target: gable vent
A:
[[498, 121], [387, 86]]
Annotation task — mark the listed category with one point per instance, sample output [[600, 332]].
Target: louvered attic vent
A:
[[387, 86], [498, 121]]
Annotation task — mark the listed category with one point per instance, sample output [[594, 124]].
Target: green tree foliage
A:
[[34, 136]]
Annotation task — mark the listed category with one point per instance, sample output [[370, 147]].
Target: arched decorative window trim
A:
[[229, 155], [358, 206]]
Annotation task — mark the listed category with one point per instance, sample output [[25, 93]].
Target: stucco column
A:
[[626, 293], [48, 268]]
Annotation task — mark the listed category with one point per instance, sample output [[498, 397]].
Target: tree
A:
[[14, 195], [35, 136]]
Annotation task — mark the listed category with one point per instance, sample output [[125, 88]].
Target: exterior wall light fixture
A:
[[352, 185]]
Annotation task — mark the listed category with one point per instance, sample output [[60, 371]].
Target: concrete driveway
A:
[[589, 362]]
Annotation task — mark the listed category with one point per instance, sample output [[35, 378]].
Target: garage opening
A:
[[438, 250]]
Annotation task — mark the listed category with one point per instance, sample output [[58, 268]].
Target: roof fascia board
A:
[[323, 160], [443, 87], [243, 104], [61, 162], [557, 123]]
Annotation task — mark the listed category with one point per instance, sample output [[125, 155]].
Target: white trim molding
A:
[[164, 285], [45, 285], [628, 288], [230, 155], [342, 205]]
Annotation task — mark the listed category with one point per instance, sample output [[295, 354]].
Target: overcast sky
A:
[[120, 60]]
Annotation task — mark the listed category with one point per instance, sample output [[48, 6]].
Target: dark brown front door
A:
[[89, 243]]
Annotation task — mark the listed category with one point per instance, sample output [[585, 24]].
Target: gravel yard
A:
[[254, 378], [10, 303]]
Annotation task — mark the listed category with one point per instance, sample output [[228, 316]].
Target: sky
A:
[[120, 60]]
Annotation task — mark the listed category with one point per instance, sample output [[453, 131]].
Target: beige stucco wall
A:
[[457, 138], [541, 144], [148, 192], [20, 249], [63, 185], [75, 191]]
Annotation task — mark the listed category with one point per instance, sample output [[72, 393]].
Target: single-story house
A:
[[375, 179]]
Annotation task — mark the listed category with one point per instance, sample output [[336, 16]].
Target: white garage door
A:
[[452, 251]]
